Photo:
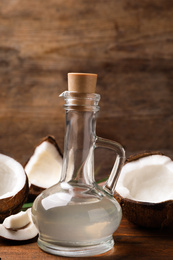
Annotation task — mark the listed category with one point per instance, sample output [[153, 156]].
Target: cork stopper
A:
[[82, 82]]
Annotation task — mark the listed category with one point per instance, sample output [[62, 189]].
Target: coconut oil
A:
[[76, 220]]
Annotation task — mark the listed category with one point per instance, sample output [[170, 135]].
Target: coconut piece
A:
[[13, 186], [18, 220], [18, 227], [44, 166], [29, 232], [144, 190]]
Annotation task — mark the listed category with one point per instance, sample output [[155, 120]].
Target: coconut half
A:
[[13, 186], [145, 190], [18, 227], [44, 166]]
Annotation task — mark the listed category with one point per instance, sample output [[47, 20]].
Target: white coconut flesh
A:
[[18, 220], [18, 227], [44, 167], [148, 179], [12, 177]]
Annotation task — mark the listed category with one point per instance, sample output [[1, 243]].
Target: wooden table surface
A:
[[131, 242]]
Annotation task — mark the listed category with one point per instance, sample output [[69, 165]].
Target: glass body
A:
[[76, 217]]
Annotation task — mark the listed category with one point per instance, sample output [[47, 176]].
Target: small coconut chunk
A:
[[18, 227], [44, 167], [29, 232], [18, 220]]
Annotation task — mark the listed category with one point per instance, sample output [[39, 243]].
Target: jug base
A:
[[77, 250]]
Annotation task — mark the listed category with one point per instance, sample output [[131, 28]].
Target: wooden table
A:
[[131, 242]]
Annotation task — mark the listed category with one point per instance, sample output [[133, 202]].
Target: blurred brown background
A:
[[129, 43]]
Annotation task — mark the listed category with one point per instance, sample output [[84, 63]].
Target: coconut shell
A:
[[51, 139], [146, 214], [150, 215], [13, 205], [142, 155], [34, 190]]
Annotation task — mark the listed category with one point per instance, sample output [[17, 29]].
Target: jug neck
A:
[[78, 160]]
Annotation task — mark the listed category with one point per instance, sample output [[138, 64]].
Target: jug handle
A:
[[119, 162]]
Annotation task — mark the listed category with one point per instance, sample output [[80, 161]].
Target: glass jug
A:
[[77, 217]]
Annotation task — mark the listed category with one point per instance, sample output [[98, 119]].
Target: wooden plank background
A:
[[129, 43]]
